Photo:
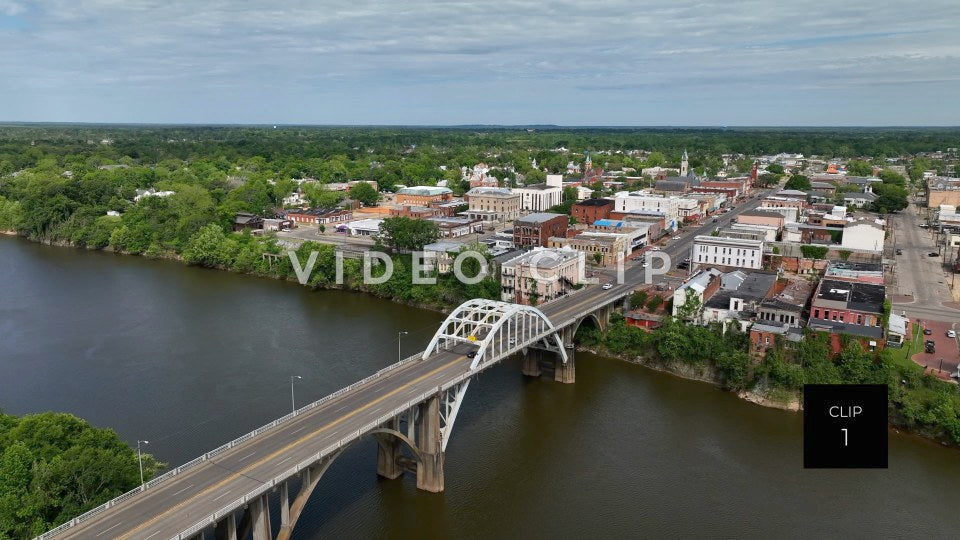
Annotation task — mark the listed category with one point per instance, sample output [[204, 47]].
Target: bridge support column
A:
[[531, 364], [388, 453], [260, 517], [430, 467], [285, 505], [226, 528], [565, 372]]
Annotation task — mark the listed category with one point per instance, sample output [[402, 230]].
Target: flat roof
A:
[[538, 217]]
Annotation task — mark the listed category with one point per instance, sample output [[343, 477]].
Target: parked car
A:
[[899, 251], [644, 265], [933, 254], [927, 331], [607, 286], [683, 266], [951, 333], [930, 346], [714, 220], [655, 248]]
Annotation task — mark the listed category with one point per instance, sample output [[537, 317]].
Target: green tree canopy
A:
[[799, 182], [402, 234], [55, 466], [364, 193]]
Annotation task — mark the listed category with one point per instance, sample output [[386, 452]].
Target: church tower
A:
[[684, 165]]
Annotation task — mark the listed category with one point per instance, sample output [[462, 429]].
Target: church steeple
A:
[[684, 164]]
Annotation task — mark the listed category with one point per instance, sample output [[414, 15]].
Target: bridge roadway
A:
[[182, 500]]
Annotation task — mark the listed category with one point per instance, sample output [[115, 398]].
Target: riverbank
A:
[[772, 397]]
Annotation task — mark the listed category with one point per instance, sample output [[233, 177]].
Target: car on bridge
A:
[[607, 286]]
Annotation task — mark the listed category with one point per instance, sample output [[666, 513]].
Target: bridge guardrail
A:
[[243, 438], [329, 450]]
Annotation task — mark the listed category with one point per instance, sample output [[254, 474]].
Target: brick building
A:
[[536, 229], [591, 210]]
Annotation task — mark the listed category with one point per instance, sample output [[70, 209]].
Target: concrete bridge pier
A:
[[260, 517], [531, 364], [226, 528], [430, 466], [388, 453]]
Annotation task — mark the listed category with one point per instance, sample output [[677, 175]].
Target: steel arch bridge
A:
[[498, 329]]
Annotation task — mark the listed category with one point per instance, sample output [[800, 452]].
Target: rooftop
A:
[[541, 257], [538, 217], [595, 202], [424, 190], [857, 296]]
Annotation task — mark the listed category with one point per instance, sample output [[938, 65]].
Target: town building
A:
[[540, 275], [535, 229], [739, 297], [423, 195], [361, 227], [730, 252], [865, 235], [492, 204], [455, 227], [590, 210], [607, 247], [440, 255], [761, 217], [319, 216], [539, 197], [698, 290], [848, 307], [244, 221], [642, 201]]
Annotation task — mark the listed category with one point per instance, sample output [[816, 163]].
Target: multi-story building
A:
[[761, 217], [540, 275], [641, 201], [454, 227], [539, 197], [591, 210], [943, 190], [701, 287], [731, 252], [534, 229], [423, 195], [608, 247], [492, 204], [848, 307]]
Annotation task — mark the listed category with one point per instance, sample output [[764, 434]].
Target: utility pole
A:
[[399, 354]]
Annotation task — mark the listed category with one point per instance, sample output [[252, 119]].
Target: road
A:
[[918, 274], [184, 499]]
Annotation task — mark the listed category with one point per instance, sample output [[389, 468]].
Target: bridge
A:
[[409, 408]]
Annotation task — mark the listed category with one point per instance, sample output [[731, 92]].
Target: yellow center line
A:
[[287, 447]]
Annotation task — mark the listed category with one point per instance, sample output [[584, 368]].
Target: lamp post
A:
[[401, 333], [293, 401], [140, 458]]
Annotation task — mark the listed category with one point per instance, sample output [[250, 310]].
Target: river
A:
[[189, 358]]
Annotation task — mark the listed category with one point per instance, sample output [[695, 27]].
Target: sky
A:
[[434, 62]]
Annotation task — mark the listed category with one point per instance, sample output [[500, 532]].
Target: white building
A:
[[642, 201], [734, 252], [539, 197], [695, 287], [362, 227], [863, 235], [790, 214], [144, 193]]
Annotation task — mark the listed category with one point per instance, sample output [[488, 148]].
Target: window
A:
[[816, 314], [859, 319], [826, 314]]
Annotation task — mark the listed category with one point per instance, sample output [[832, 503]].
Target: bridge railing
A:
[[341, 443], [243, 438]]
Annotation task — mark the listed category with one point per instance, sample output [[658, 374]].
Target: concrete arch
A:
[[383, 434], [596, 321]]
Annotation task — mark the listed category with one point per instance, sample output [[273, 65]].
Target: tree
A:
[[890, 198], [775, 168], [798, 182], [365, 193], [859, 168], [598, 258], [321, 197], [55, 466], [402, 234], [814, 252]]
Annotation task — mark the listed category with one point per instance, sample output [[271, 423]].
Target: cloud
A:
[[428, 62]]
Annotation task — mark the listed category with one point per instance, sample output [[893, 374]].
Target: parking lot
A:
[[946, 347]]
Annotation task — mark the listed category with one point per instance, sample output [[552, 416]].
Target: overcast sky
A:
[[672, 62]]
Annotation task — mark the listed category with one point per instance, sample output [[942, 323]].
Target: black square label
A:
[[844, 426]]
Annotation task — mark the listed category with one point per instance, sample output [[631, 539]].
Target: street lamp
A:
[[401, 333], [293, 401], [140, 458]]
